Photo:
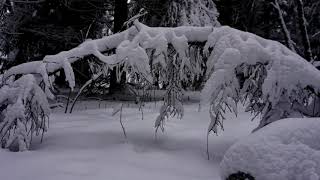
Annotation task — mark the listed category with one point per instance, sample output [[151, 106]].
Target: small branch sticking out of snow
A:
[[118, 109]]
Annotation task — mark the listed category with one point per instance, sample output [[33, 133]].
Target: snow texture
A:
[[88, 144], [288, 150]]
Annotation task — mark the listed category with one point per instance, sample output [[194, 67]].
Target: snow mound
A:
[[288, 150]]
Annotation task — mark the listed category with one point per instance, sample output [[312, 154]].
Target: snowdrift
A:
[[288, 150]]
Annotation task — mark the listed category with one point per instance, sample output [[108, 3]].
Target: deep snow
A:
[[89, 144], [287, 149]]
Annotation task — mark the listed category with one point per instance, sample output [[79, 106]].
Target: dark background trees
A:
[[32, 29], [29, 30], [173, 13], [261, 18], [120, 17], [50, 26]]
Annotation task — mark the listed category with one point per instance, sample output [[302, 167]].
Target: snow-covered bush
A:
[[133, 48], [243, 67], [171, 57], [288, 150], [24, 112]]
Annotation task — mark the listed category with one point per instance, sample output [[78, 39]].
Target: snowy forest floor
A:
[[89, 144]]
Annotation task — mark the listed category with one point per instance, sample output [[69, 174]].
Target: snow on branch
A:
[[241, 66], [276, 82], [24, 112], [131, 53], [62, 60], [130, 45]]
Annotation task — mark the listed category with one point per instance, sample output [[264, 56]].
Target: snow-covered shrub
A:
[[288, 150], [24, 112], [167, 50], [243, 67]]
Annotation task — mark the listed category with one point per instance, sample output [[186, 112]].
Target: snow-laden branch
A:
[[130, 45], [24, 112], [277, 82], [244, 66], [52, 63]]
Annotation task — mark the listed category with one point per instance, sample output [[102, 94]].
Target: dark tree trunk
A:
[[284, 28], [267, 21], [304, 32], [120, 16]]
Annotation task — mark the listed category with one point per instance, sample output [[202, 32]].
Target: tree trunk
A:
[[267, 21], [120, 16], [284, 26], [304, 32]]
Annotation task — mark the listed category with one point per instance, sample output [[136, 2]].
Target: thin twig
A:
[[122, 126]]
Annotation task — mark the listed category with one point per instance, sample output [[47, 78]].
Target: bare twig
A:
[[122, 126]]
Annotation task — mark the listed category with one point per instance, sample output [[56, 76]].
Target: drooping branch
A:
[[131, 37], [95, 77], [95, 47], [264, 72], [240, 65]]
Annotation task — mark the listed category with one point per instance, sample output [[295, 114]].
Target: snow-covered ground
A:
[[89, 144]]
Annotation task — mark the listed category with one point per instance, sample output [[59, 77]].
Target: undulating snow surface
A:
[[288, 150], [89, 144]]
